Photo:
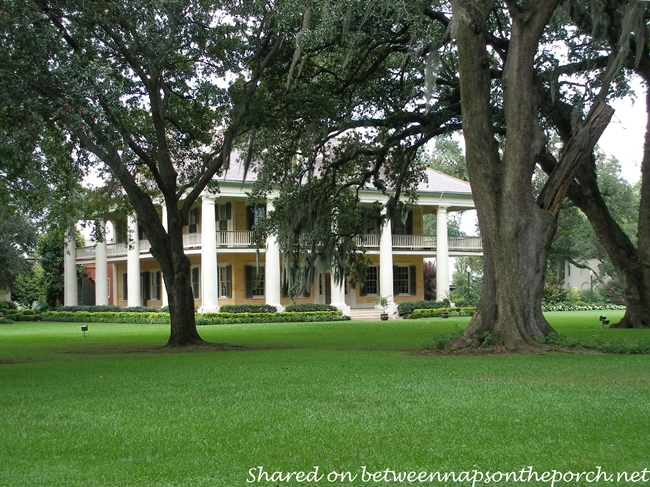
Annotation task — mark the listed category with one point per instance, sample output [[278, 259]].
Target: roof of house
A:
[[435, 181]]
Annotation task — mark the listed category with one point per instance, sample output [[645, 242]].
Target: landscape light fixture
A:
[[84, 329]]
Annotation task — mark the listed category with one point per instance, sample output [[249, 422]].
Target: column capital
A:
[[208, 199]]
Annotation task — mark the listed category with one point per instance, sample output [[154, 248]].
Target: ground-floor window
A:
[[254, 281], [125, 286], [154, 288], [225, 281], [404, 280], [371, 286], [196, 282]]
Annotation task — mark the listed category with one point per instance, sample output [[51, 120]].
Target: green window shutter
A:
[[228, 281], [409, 223], [249, 281], [395, 280], [413, 284], [250, 211], [228, 211]]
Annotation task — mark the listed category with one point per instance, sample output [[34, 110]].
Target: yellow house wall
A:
[[417, 261], [417, 221], [241, 223]]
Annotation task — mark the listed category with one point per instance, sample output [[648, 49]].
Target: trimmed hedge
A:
[[437, 312], [110, 309], [22, 315], [307, 307], [107, 317], [248, 308], [220, 318], [590, 307], [6, 321], [406, 309]]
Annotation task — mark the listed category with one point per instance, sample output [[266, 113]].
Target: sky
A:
[[623, 138]]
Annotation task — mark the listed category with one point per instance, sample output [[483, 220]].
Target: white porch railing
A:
[[369, 241], [242, 239], [423, 242], [192, 240], [236, 238], [465, 243], [86, 253]]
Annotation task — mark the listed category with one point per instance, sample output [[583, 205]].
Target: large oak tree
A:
[[157, 92], [517, 229]]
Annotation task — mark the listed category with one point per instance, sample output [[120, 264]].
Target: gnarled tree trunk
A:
[[516, 230]]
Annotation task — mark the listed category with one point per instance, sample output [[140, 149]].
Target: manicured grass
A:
[[112, 410]]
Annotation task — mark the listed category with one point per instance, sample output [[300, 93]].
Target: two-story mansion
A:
[[226, 268]]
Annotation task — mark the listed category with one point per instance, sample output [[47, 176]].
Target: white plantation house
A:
[[226, 268]]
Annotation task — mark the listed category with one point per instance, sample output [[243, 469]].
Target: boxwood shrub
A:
[[201, 319], [437, 312], [406, 309], [114, 309], [248, 308], [222, 318], [107, 317], [306, 307]]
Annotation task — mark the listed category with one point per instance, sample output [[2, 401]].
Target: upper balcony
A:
[[242, 240]]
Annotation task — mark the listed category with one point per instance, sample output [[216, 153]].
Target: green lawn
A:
[[111, 409]]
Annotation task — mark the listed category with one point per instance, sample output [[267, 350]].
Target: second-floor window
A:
[[193, 226], [401, 226], [255, 214]]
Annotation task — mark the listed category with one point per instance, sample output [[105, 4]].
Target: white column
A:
[[70, 286], [209, 271], [442, 256], [386, 264], [115, 284], [164, 298], [338, 295], [101, 270], [272, 278], [133, 262]]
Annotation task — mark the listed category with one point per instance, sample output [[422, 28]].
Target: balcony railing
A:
[[234, 239], [242, 239]]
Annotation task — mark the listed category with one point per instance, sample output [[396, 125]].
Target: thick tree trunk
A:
[[636, 278], [510, 305], [167, 249], [516, 232], [181, 306]]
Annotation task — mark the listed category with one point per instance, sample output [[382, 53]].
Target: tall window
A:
[[193, 227], [371, 286], [223, 216], [404, 280], [125, 287], [255, 214], [225, 281], [154, 288], [254, 281], [401, 226], [196, 280]]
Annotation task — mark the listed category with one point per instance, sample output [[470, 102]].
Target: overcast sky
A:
[[623, 138]]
